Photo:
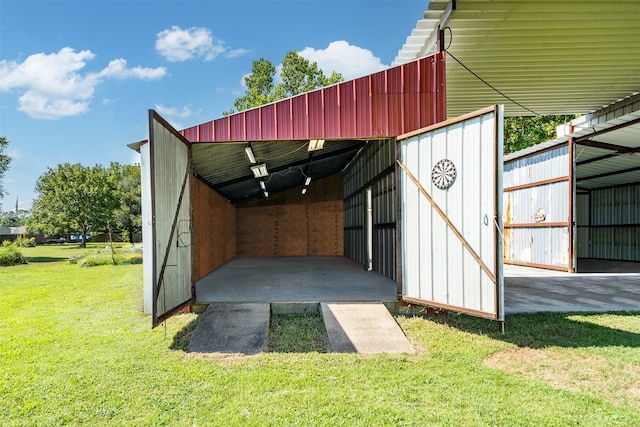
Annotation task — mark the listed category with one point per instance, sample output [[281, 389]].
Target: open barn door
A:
[[451, 225], [171, 213]]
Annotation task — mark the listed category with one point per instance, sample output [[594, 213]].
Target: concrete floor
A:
[[294, 280], [338, 279], [528, 290]]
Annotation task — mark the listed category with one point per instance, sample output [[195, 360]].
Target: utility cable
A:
[[483, 80]]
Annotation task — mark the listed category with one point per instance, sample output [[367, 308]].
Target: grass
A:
[[75, 349]]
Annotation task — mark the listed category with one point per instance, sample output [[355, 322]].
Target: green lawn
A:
[[76, 349]]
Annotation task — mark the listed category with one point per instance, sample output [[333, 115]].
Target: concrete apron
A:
[[365, 328]]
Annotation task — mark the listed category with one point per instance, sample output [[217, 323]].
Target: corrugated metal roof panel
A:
[[553, 57], [371, 107]]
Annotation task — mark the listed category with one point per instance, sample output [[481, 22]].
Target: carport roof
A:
[[551, 56], [607, 146]]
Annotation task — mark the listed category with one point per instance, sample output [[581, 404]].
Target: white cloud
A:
[[117, 69], [234, 53], [348, 60], [172, 114], [53, 86], [179, 45], [15, 154]]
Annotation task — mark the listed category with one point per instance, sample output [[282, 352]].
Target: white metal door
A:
[[451, 225], [170, 164]]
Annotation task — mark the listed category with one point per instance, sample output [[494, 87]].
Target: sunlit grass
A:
[[76, 349]]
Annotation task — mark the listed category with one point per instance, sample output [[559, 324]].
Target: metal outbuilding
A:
[[372, 170], [331, 173], [577, 197]]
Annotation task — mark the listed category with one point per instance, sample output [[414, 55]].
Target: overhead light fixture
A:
[[263, 185], [266, 194], [259, 171], [304, 190], [250, 155], [316, 144], [307, 181]]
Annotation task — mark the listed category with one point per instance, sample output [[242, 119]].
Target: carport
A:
[[571, 203]]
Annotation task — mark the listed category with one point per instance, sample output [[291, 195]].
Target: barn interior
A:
[[302, 213]]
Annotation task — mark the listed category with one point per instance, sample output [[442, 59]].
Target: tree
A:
[[128, 215], [298, 76], [9, 219], [5, 159], [74, 198], [523, 131]]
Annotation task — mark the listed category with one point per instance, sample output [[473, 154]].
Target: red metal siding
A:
[[285, 119], [316, 114], [300, 117], [268, 122], [348, 109], [379, 104], [395, 100], [385, 104], [363, 106], [332, 115], [253, 126]]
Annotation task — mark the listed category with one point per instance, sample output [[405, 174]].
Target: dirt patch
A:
[[572, 370]]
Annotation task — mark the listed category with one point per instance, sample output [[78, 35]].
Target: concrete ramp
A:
[[232, 328], [363, 328]]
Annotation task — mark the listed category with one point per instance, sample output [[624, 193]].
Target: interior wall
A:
[[374, 168], [214, 224], [614, 229], [293, 224]]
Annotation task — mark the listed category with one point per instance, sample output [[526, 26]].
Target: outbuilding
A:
[[375, 169]]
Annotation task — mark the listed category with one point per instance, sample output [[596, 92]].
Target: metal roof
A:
[[346, 115], [607, 146], [550, 56], [226, 168]]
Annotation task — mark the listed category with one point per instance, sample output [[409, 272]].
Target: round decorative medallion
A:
[[443, 174]]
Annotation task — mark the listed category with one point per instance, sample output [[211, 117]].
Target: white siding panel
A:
[[538, 167], [541, 246], [147, 229], [437, 268]]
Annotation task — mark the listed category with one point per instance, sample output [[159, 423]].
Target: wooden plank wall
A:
[[214, 224], [292, 224]]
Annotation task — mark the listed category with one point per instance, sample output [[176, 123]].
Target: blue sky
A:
[[77, 77]]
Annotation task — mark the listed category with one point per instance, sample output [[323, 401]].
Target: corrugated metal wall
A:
[[385, 104], [373, 167], [615, 223], [437, 267], [170, 173], [535, 203]]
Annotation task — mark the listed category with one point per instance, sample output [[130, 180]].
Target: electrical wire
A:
[[483, 80], [286, 154]]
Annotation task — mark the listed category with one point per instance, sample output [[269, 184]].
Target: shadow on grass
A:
[[540, 330], [44, 259], [287, 334], [183, 337]]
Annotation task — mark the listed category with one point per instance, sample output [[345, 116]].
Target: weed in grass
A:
[[9, 255]]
